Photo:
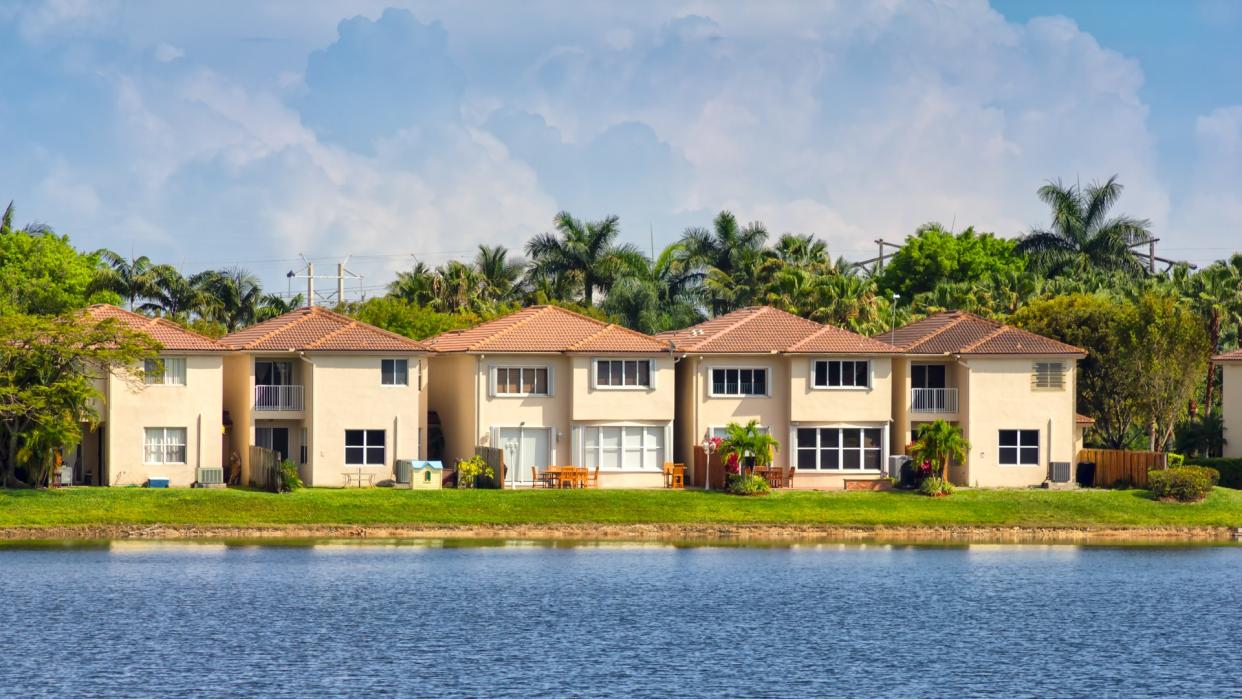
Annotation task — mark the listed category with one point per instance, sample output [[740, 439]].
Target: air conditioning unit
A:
[[895, 462], [1060, 472], [405, 469]]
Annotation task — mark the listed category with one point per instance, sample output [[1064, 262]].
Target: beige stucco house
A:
[[551, 387], [1231, 401], [1012, 392], [165, 422], [825, 393], [342, 399]]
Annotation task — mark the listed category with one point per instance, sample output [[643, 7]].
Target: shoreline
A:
[[668, 533]]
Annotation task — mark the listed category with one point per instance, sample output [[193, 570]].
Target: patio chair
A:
[[789, 474], [679, 476], [593, 478], [668, 474]]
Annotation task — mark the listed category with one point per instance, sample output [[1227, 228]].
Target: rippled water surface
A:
[[528, 620]]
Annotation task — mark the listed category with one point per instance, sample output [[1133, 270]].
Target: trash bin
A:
[[1085, 476]]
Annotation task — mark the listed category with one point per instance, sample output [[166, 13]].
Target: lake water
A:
[[521, 620]]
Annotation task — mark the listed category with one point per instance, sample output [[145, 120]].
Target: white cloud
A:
[[166, 53], [1213, 208]]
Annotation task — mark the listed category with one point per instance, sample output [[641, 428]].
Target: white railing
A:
[[933, 400], [277, 397]]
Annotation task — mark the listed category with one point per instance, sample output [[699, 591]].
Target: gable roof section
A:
[[173, 337], [544, 329], [1234, 356], [763, 330], [959, 332], [317, 329]]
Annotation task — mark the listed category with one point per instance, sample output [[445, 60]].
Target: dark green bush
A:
[[1230, 470], [1181, 484]]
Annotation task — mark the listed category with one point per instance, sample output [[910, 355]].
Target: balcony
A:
[[933, 400], [278, 398]]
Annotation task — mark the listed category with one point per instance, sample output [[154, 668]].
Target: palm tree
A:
[[940, 442], [172, 295], [585, 251], [803, 251], [130, 278], [1082, 236], [234, 296], [500, 275], [748, 442], [6, 221], [416, 286], [730, 253], [272, 305], [1216, 294], [654, 296], [458, 287]]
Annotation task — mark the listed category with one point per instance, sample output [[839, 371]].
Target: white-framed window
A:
[[839, 448], [364, 447], [623, 373], [1048, 376], [623, 447], [841, 373], [521, 381], [164, 445], [739, 382], [395, 372], [164, 371], [1019, 448]]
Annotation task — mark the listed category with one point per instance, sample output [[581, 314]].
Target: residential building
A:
[[1231, 401], [337, 396], [162, 422], [825, 393], [1012, 392], [552, 387]]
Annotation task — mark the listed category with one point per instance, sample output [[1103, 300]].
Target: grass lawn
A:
[[382, 506]]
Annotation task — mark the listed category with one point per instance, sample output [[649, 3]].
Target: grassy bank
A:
[[87, 507]]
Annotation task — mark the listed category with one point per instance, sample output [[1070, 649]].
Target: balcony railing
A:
[[933, 400], [278, 398]]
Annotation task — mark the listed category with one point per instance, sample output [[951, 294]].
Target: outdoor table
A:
[[553, 475]]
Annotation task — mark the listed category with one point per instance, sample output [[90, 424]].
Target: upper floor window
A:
[[928, 376], [395, 372], [623, 373], [1050, 375], [842, 373], [739, 382], [521, 381], [168, 371]]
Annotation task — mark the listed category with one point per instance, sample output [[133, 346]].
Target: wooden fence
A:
[[264, 469], [1114, 466], [495, 457], [711, 469]]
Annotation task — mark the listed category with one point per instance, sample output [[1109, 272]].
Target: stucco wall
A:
[[534, 411], [238, 377], [451, 395], [810, 404], [593, 403], [1001, 397], [1231, 405], [197, 406], [348, 395], [771, 411]]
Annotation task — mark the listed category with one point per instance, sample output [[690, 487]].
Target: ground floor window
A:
[[1019, 447], [623, 447], [164, 445], [364, 447], [839, 448]]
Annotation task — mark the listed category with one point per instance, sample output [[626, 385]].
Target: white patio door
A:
[[524, 447]]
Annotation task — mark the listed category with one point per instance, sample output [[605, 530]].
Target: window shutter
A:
[[651, 371], [491, 382], [551, 391], [593, 368]]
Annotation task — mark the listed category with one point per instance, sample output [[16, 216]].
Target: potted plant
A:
[[746, 447]]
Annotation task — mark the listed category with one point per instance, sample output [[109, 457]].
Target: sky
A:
[[213, 134]]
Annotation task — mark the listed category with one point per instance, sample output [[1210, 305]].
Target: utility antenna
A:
[[308, 273]]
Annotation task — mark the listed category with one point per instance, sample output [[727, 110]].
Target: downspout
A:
[[478, 366]]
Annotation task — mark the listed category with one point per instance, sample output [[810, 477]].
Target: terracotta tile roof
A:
[[1081, 419], [317, 329], [762, 329], [173, 337], [545, 329], [958, 332], [1234, 356]]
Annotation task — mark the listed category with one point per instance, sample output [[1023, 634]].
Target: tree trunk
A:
[[944, 470], [1210, 390]]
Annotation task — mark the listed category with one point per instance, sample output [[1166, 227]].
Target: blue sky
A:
[[208, 134]]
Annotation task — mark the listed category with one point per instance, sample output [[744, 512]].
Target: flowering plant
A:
[[733, 464]]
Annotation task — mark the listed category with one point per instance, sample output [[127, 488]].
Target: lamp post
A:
[[708, 445]]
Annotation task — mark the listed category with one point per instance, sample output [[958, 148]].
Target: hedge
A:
[[1185, 484], [1230, 470]]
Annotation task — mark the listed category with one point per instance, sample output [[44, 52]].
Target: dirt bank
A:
[[638, 532]]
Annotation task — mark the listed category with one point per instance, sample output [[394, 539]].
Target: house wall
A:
[[840, 405], [1001, 397], [772, 411], [592, 403], [684, 427], [451, 395], [530, 411], [197, 406], [238, 378], [1231, 407], [348, 395]]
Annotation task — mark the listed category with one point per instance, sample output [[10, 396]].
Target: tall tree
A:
[[729, 253], [131, 278], [172, 295], [42, 273], [933, 257], [586, 251], [655, 295], [1082, 236], [234, 294], [500, 275], [1215, 293]]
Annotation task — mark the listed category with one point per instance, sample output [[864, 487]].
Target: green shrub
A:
[[1212, 474], [474, 472], [1182, 484], [1230, 470], [1175, 460], [289, 478], [936, 487], [740, 484]]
